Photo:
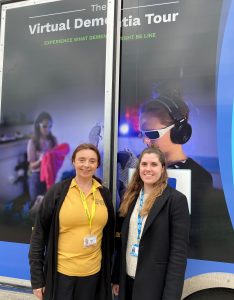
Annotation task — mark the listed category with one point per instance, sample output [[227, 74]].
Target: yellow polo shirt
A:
[[73, 258]]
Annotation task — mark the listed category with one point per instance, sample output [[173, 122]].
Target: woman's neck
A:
[[175, 154], [148, 188], [85, 184]]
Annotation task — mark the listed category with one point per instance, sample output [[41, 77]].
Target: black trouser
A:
[[129, 287], [76, 288]]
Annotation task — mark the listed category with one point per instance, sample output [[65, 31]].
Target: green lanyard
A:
[[85, 205]]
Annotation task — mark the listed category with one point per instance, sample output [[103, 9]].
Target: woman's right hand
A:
[[115, 289], [39, 293]]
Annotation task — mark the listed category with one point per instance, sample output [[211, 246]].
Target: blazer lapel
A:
[[156, 208]]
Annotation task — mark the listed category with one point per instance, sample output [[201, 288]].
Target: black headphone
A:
[[182, 131]]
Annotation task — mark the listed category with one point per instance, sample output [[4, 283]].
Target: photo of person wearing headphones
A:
[[164, 123]]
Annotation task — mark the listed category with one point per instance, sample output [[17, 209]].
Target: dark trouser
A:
[[76, 288], [129, 287]]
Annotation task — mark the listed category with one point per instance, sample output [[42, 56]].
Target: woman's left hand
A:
[[115, 289], [39, 293]]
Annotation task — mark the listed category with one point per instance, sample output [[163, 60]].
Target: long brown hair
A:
[[136, 184]]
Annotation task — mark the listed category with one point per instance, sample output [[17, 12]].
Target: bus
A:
[[94, 66]]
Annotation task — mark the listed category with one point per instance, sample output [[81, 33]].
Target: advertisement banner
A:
[[169, 67], [53, 86]]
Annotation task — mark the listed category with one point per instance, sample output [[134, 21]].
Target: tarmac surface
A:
[[14, 295], [15, 289]]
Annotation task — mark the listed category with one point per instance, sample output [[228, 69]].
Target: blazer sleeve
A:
[[108, 232], [39, 239], [111, 222], [117, 255], [179, 239]]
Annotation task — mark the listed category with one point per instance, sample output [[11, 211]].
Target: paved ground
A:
[[15, 289], [12, 295]]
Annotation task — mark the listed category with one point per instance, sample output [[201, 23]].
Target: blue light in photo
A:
[[124, 129]]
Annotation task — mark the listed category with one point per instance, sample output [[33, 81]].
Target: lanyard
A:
[[85, 205], [139, 218]]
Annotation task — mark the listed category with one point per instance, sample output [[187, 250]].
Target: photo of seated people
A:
[[164, 121]]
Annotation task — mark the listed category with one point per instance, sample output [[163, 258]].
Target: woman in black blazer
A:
[[151, 260]]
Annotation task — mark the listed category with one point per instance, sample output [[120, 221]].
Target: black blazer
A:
[[162, 251]]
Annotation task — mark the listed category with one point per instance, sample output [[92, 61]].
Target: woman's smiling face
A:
[[150, 169], [85, 163]]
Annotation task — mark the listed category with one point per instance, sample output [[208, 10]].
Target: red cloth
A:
[[52, 162]]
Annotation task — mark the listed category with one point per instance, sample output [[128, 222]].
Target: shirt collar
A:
[[96, 184]]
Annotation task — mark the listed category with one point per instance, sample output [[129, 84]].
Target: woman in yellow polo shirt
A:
[[72, 241]]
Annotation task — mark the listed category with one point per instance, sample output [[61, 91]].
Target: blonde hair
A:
[[136, 184]]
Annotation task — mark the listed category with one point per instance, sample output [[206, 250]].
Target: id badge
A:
[[134, 250], [90, 240]]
